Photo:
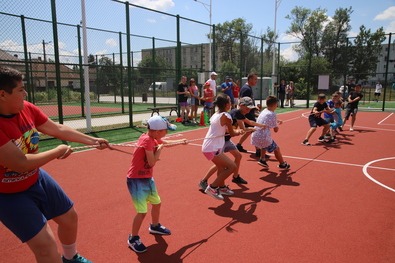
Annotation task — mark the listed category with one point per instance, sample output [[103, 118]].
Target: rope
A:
[[135, 145]]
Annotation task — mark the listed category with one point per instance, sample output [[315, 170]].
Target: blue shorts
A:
[[314, 121], [271, 148], [143, 191], [25, 213]]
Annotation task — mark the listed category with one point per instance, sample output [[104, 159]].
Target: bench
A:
[[157, 109]]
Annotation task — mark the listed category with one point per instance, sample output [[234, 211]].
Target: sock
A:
[[69, 251], [213, 187]]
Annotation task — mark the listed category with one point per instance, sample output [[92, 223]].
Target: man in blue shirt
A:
[[227, 88]]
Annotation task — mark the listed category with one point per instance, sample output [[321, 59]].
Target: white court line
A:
[[385, 118], [365, 168]]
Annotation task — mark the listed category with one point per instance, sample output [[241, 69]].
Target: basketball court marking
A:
[[365, 171], [380, 123]]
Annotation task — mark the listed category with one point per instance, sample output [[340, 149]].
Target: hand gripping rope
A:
[[135, 145]]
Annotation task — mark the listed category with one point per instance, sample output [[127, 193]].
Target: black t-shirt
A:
[[354, 95], [236, 115], [319, 106], [246, 91], [281, 88], [182, 88]]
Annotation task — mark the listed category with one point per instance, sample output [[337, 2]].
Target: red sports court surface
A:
[[335, 204]]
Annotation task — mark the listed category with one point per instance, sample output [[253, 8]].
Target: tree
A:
[[108, 73], [227, 68], [365, 52], [147, 66], [334, 39]]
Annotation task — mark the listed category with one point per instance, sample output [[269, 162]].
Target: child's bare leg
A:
[[310, 132], [325, 130], [263, 153], [225, 168], [155, 212], [278, 155], [210, 172], [238, 157], [137, 221]]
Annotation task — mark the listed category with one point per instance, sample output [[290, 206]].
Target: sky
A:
[[110, 15]]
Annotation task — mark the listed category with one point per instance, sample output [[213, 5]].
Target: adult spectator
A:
[[183, 95], [377, 91], [227, 88], [281, 92]]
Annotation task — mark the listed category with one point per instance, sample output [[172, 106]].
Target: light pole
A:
[[276, 5], [45, 65], [210, 11]]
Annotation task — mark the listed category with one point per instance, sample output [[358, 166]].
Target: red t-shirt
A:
[[139, 167], [21, 130], [236, 91], [208, 93]]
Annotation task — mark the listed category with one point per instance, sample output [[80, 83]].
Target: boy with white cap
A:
[[140, 179]]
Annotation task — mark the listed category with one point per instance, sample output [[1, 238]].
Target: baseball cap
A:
[[213, 73], [160, 123], [207, 84], [247, 101], [227, 77]]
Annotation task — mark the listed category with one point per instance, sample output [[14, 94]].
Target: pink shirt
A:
[[139, 167]]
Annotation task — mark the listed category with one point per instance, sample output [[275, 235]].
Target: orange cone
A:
[[202, 123]]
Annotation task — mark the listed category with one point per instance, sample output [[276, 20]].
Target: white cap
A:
[[213, 73], [158, 123]]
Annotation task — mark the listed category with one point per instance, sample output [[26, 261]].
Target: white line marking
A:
[[385, 118], [365, 168]]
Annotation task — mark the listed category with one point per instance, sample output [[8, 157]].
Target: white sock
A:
[[69, 251]]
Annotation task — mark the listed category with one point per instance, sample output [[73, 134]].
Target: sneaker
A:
[[321, 139], [214, 192], [327, 136], [258, 153], [136, 244], [306, 143], [203, 184], [267, 156], [239, 180], [76, 258], [351, 128], [240, 148], [263, 163], [225, 190], [159, 229], [284, 165], [340, 128]]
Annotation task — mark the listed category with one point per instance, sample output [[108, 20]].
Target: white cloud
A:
[[288, 38], [151, 20], [162, 5], [390, 28], [289, 54], [101, 52], [111, 42], [388, 14]]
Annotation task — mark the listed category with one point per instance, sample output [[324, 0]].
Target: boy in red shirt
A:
[[140, 179]]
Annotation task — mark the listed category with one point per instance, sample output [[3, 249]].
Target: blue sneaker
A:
[[76, 258], [136, 244], [159, 229]]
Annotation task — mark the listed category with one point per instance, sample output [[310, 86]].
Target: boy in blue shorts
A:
[[29, 196], [261, 137], [140, 179], [315, 119]]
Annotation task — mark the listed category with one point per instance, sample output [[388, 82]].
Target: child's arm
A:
[[226, 121], [254, 123], [275, 129], [152, 157], [241, 125]]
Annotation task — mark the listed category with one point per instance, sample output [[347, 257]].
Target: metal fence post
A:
[[386, 71], [27, 75], [81, 70], [121, 73], [154, 69], [178, 60], [57, 61], [128, 44]]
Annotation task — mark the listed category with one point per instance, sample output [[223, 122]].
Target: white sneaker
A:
[[351, 128], [214, 193], [225, 190]]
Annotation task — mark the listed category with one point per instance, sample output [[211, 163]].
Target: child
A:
[[352, 106], [194, 92], [337, 120], [238, 119], [328, 116], [208, 96], [213, 147], [261, 138], [316, 120], [140, 180], [29, 196]]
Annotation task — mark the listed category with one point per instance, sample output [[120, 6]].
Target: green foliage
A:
[[159, 67]]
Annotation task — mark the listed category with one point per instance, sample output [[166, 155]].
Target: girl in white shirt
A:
[[213, 145]]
